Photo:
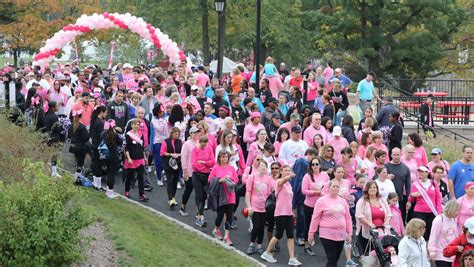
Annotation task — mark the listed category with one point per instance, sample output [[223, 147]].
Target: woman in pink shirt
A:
[[409, 160], [283, 217], [332, 217], [467, 205], [257, 146], [437, 160], [349, 163], [371, 211], [312, 186], [443, 231], [202, 158], [414, 139], [344, 184], [204, 128], [365, 142], [259, 187], [186, 164], [366, 128], [251, 129], [227, 177], [426, 198], [377, 139], [282, 135]]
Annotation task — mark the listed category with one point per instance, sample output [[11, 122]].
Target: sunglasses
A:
[[314, 164], [275, 168]]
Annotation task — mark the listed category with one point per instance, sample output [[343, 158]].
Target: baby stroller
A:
[[382, 243]]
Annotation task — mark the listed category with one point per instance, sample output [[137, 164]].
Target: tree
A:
[[398, 38]]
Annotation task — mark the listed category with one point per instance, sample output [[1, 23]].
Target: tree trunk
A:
[[205, 31], [15, 57]]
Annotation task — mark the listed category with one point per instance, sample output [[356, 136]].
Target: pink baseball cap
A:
[[468, 184]]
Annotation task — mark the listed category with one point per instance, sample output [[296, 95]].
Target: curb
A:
[[186, 227]]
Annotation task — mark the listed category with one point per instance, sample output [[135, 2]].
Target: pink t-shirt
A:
[[433, 193], [221, 172], [202, 79], [332, 217], [277, 146], [308, 187], [312, 90], [284, 199], [344, 189], [259, 187], [311, 131], [288, 126], [361, 151], [378, 215], [413, 167], [350, 169], [467, 211], [132, 85], [205, 154], [420, 156], [338, 144], [381, 147], [250, 132], [253, 150]]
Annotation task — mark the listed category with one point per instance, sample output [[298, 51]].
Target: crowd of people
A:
[[288, 147]]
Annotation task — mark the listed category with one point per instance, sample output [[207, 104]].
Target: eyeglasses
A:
[[275, 168], [314, 164]]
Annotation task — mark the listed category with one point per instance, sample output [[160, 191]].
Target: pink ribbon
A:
[[35, 100], [109, 124]]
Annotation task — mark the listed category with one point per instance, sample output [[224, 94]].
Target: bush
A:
[[40, 220], [451, 149]]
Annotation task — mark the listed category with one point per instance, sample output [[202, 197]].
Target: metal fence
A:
[[453, 88]]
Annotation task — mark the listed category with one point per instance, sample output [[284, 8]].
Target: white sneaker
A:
[[268, 257], [148, 169], [294, 262], [179, 185], [160, 182], [111, 194]]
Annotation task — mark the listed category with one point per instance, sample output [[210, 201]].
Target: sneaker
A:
[[143, 198], [160, 183], [309, 252], [127, 194], [228, 241], [148, 188], [250, 250], [350, 262], [233, 226], [179, 185], [268, 257], [172, 203], [183, 212], [148, 169], [294, 262], [205, 205], [217, 234], [201, 223], [300, 242], [260, 251]]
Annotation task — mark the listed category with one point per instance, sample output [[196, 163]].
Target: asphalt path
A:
[[240, 237]]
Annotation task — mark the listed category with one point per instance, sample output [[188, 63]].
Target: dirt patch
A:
[[99, 250]]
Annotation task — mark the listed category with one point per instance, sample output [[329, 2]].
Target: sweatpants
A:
[[188, 189], [158, 160], [333, 251], [258, 229]]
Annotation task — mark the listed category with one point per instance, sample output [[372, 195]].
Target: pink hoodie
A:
[[443, 231], [259, 187], [433, 193], [332, 217], [221, 172], [308, 187], [206, 154]]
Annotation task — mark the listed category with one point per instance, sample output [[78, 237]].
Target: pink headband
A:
[[468, 184], [109, 124]]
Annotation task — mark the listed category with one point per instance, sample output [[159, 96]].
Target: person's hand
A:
[[348, 239], [221, 180], [201, 161], [130, 161], [460, 249], [310, 239], [415, 194], [175, 156], [118, 129], [250, 210], [185, 174], [432, 256], [330, 170], [408, 205], [371, 225], [146, 161], [390, 176], [452, 196]]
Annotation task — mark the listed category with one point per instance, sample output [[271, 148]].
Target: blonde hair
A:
[[354, 144], [377, 134], [204, 125], [413, 227], [451, 208], [136, 95], [174, 96], [409, 148]]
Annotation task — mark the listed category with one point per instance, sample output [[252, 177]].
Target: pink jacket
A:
[[443, 231], [205, 154], [308, 187], [332, 217], [186, 152], [221, 172], [396, 222], [433, 193]]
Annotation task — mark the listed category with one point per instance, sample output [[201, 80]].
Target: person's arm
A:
[[451, 189], [306, 186], [211, 160], [360, 213], [345, 102], [163, 149], [313, 227], [248, 194], [194, 159], [404, 252], [438, 200], [376, 95], [434, 235], [247, 135], [348, 219]]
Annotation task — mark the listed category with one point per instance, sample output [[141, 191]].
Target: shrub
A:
[[40, 220], [450, 147]]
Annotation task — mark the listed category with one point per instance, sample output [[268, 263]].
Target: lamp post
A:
[[257, 49], [220, 7]]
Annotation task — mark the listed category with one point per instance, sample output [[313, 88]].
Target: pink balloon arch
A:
[[126, 21]]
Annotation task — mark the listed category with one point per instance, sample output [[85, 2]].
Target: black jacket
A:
[[134, 149], [339, 100], [178, 144], [96, 130], [425, 116], [119, 113], [396, 135], [348, 133], [51, 126]]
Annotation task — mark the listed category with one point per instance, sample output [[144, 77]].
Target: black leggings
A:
[[239, 192], [333, 251], [443, 264], [130, 172], [188, 189], [227, 210], [308, 214], [199, 181], [96, 164], [284, 224], [80, 156], [113, 165], [258, 221], [172, 183], [428, 218], [270, 219]]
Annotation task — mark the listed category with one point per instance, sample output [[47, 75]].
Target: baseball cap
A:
[[194, 87], [255, 114], [469, 224], [436, 151], [282, 64], [337, 131], [296, 129], [194, 129], [276, 116], [127, 66], [272, 100], [295, 116], [423, 169]]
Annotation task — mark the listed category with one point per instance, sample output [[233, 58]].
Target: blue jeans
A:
[[338, 117], [363, 106], [300, 231], [158, 160]]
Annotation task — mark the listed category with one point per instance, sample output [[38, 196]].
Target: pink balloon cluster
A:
[[106, 20]]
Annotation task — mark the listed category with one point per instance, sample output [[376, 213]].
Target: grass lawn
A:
[[150, 240]]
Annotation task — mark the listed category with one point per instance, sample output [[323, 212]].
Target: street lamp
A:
[[220, 7]]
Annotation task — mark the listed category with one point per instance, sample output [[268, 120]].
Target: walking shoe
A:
[[160, 183], [127, 194], [250, 250], [148, 188], [183, 212], [260, 251], [172, 203], [233, 226], [350, 262], [294, 262], [148, 169], [143, 198], [201, 223], [228, 241], [217, 234], [309, 252], [268, 257], [179, 185], [300, 242]]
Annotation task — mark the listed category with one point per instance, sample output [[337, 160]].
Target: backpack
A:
[[104, 152]]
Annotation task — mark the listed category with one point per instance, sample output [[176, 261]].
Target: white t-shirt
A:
[[386, 187], [43, 83], [290, 150]]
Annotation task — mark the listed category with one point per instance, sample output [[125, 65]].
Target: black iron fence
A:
[[452, 88]]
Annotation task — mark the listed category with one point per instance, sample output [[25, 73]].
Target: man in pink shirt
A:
[[201, 77], [294, 121], [87, 108], [338, 142], [315, 128]]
